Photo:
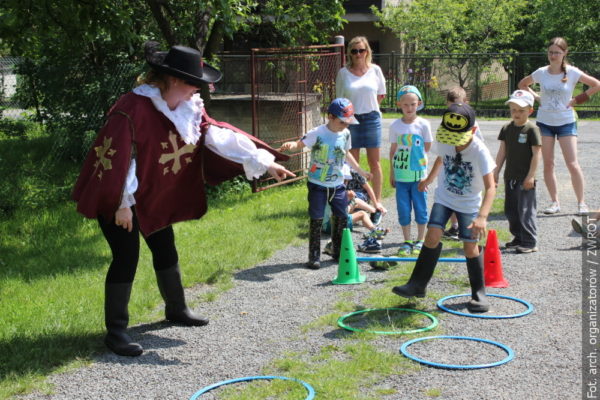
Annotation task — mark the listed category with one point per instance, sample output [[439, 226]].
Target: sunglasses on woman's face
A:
[[357, 51]]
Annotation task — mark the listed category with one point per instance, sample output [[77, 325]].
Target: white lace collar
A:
[[186, 117]]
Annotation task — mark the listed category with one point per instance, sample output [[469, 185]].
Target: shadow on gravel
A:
[[262, 273]]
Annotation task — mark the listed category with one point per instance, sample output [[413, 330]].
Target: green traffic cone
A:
[[348, 271]]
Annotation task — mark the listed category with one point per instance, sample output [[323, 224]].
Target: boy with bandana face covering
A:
[[465, 167]]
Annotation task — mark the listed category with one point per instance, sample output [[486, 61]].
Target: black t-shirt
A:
[[518, 141]]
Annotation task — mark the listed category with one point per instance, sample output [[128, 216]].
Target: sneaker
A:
[[377, 233], [552, 209], [383, 264], [451, 233], [512, 244], [405, 248], [582, 209], [370, 245], [328, 248], [577, 227], [524, 250], [417, 247], [376, 217]]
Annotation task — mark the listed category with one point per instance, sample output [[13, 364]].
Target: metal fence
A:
[[278, 94], [488, 78]]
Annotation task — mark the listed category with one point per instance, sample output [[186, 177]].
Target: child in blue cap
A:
[[410, 140], [330, 145]]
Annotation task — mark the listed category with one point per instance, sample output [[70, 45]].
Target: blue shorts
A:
[[367, 134], [319, 196], [440, 215], [558, 131], [408, 198]]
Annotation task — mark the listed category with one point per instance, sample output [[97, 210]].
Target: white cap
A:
[[521, 98]]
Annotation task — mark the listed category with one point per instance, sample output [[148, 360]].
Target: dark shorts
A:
[[367, 134], [319, 196]]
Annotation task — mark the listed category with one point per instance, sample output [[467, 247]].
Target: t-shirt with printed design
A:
[[410, 159], [460, 182], [555, 95], [328, 152], [518, 141]]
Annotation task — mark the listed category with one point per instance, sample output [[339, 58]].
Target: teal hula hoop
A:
[[309, 388], [529, 306], [510, 353]]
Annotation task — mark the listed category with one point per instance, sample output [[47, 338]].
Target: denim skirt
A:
[[367, 134]]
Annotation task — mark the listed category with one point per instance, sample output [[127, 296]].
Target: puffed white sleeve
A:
[[240, 149], [131, 185]]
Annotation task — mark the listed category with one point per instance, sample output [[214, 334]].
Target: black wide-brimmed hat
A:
[[181, 62]]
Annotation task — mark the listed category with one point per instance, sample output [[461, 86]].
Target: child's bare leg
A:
[[421, 231], [471, 249], [433, 237], [406, 232], [363, 205], [363, 217]]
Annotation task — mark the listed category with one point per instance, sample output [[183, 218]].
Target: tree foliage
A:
[[456, 27], [82, 53]]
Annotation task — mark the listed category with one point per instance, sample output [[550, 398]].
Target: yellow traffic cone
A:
[[348, 271]]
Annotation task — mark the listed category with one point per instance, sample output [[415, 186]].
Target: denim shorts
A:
[[440, 215], [367, 134], [558, 131]]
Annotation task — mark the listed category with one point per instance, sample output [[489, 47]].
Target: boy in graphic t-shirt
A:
[[410, 140], [330, 145], [465, 169]]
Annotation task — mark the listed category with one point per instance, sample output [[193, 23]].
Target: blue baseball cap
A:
[[343, 109], [411, 89]]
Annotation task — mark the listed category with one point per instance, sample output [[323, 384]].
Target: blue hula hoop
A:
[[508, 350], [309, 388], [529, 306]]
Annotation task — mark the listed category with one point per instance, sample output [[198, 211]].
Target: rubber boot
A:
[[421, 274], [171, 290], [116, 318], [479, 301], [314, 244], [337, 230]]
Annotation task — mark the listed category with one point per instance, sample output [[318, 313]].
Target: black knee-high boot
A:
[[479, 302], [116, 318], [421, 274], [314, 244], [337, 230], [171, 290]]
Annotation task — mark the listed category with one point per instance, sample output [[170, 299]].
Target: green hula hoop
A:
[[434, 322]]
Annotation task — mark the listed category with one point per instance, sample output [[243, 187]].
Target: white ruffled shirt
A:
[[225, 142]]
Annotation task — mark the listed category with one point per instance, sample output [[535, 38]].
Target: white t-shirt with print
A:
[[328, 153], [362, 91], [410, 160], [556, 95], [460, 181]]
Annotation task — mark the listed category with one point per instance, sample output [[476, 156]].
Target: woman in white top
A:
[[557, 119], [363, 83]]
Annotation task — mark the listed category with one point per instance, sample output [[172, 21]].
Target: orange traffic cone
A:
[[492, 262]]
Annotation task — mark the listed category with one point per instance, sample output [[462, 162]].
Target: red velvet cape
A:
[[171, 175]]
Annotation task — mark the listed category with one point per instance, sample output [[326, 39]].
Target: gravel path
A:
[[259, 320]]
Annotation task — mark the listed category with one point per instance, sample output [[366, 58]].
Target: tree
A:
[[454, 27], [81, 54]]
